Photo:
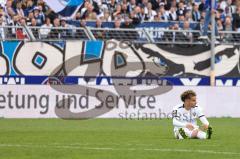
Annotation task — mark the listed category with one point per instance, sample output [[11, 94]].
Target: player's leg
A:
[[209, 132], [192, 134], [185, 133], [178, 134], [196, 133]]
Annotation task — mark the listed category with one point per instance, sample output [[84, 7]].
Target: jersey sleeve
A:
[[177, 123], [201, 116], [199, 112]]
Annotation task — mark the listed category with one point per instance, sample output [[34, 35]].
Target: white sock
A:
[[201, 135]]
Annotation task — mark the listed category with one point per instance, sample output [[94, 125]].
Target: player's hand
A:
[[190, 126]]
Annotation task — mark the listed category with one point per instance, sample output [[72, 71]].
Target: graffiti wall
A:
[[69, 61]]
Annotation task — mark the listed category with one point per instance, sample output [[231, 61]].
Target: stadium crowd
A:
[[124, 13]]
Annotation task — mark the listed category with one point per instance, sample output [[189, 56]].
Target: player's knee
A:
[[194, 133]]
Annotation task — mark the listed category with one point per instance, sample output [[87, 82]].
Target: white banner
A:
[[22, 101]]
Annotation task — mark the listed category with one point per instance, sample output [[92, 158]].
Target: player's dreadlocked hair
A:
[[187, 95]]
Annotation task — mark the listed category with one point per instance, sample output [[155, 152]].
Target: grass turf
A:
[[112, 139]]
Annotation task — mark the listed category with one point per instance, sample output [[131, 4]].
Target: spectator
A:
[[29, 7], [188, 16], [136, 15], [55, 32], [89, 14], [188, 36], [68, 30], [2, 31], [20, 33], [98, 23], [117, 11], [236, 20], [173, 14], [9, 9], [228, 27], [39, 17], [127, 23], [106, 16], [34, 29], [131, 6], [181, 9], [129, 12], [19, 9], [150, 14], [196, 13], [45, 28], [163, 13]]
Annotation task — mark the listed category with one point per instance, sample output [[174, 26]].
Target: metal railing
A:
[[133, 35], [137, 35], [59, 33], [13, 33]]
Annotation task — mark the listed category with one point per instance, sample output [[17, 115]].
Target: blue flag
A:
[[65, 8]]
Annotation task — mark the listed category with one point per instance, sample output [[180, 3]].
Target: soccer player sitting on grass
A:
[[185, 119]]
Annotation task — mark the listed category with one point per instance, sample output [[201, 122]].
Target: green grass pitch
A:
[[113, 139]]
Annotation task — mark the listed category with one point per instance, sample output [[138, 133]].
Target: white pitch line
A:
[[120, 149], [194, 151]]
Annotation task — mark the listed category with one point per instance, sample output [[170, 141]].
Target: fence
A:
[[138, 35]]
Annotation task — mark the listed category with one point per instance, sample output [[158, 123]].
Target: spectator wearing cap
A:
[[39, 17]]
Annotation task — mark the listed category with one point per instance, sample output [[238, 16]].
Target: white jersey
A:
[[181, 116]]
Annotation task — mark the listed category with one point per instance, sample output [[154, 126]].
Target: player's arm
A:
[[204, 122], [203, 119], [178, 123]]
